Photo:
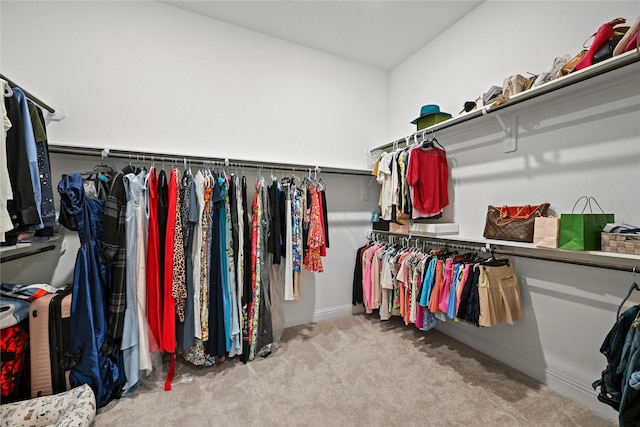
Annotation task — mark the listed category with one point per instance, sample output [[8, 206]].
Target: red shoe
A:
[[604, 34]]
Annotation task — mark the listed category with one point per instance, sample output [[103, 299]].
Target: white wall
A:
[[580, 140], [146, 75], [495, 40]]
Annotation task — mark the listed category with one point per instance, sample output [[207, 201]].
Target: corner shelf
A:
[[25, 249]]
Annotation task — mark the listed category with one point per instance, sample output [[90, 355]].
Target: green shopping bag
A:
[[581, 232]]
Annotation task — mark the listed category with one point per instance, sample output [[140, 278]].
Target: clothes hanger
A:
[[634, 287], [8, 93], [495, 262]]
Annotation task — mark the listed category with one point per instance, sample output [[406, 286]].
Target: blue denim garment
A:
[[32, 152]]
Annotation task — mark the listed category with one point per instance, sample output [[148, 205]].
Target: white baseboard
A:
[[319, 315], [555, 380]]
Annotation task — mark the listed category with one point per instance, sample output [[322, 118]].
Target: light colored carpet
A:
[[353, 371]]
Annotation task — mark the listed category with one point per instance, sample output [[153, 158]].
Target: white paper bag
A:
[[545, 232]]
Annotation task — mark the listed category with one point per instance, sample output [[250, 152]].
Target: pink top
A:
[[443, 305]]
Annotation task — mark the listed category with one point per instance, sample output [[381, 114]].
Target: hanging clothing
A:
[[163, 212], [205, 261], [312, 258], [47, 208], [168, 335], [216, 345], [428, 176], [256, 277], [6, 192], [114, 254], [234, 339], [154, 300], [196, 257], [22, 207], [499, 293], [224, 268], [189, 217], [32, 153], [103, 372], [291, 243], [237, 224], [135, 344], [264, 342], [247, 276]]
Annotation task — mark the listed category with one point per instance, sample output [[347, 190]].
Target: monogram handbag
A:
[[514, 223]]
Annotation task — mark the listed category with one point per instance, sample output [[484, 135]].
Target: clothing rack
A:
[[433, 241], [532, 253], [161, 157], [28, 94]]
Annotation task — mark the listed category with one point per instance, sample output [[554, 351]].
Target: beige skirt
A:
[[499, 294]]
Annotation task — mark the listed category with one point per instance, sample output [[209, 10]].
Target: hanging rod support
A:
[[510, 133]]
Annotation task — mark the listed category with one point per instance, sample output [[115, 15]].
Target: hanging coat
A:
[[102, 372]]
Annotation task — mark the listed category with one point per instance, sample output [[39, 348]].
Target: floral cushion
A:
[[75, 407]]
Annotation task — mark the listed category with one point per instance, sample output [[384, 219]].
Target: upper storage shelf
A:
[[609, 65]]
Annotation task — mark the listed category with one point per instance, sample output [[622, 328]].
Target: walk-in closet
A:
[[278, 212]]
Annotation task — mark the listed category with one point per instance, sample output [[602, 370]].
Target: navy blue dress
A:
[[102, 372]]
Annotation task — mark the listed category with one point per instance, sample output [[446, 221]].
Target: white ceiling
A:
[[381, 34]]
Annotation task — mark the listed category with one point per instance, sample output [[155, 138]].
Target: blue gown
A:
[[102, 372]]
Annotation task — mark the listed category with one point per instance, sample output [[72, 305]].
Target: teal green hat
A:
[[429, 116]]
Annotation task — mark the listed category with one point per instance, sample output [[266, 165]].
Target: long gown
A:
[[102, 372]]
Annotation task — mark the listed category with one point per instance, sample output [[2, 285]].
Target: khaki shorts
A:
[[499, 294]]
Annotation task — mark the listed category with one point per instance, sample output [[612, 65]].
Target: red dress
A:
[[154, 305], [168, 336]]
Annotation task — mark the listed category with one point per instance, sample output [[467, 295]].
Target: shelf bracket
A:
[[509, 140]]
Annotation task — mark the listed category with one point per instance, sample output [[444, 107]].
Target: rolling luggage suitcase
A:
[[49, 325]]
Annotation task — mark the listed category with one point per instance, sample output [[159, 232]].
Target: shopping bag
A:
[[581, 231], [545, 232]]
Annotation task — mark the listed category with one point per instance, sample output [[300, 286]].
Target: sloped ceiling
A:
[[381, 34]]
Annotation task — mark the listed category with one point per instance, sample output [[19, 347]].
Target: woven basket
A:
[[620, 243]]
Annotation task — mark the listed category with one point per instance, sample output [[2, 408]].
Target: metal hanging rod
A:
[[125, 154], [28, 94], [570, 79], [433, 241]]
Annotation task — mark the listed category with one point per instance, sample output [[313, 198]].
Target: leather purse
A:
[[515, 223], [606, 51]]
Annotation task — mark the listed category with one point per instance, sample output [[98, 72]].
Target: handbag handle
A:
[[587, 202], [513, 218]]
